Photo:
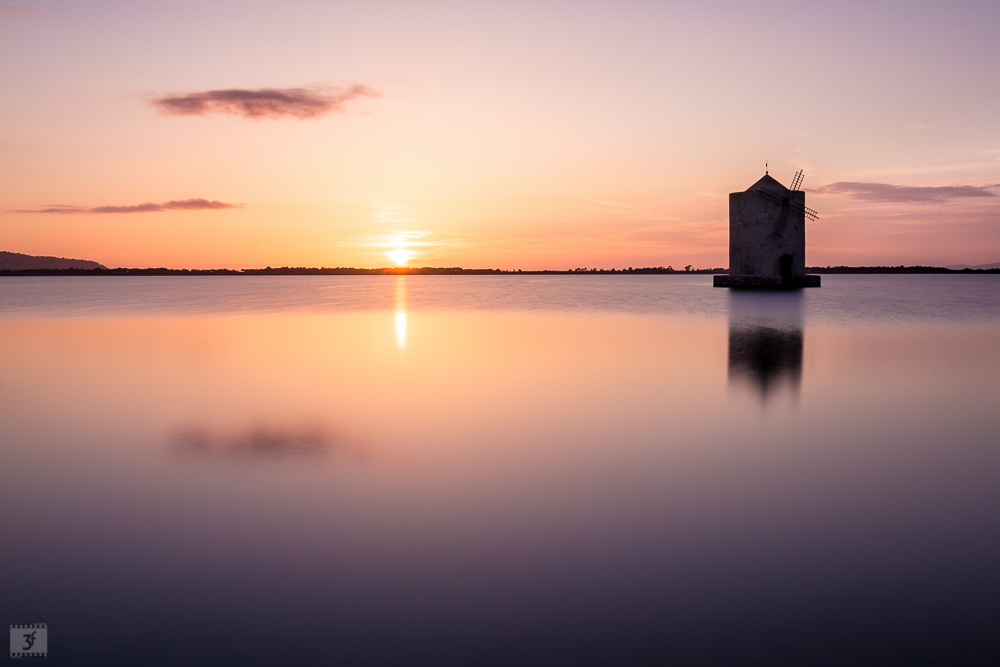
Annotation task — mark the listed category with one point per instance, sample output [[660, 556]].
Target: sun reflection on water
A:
[[401, 330], [401, 317]]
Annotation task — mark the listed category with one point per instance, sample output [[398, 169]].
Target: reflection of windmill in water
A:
[[766, 341], [767, 236]]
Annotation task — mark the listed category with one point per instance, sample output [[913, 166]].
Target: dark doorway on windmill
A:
[[786, 267]]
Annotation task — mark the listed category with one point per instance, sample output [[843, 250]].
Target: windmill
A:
[[767, 237], [773, 196]]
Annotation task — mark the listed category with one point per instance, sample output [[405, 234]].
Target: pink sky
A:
[[512, 135]]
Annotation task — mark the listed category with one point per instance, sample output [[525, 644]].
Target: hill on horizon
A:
[[959, 267], [15, 261]]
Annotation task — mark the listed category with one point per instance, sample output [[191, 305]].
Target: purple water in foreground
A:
[[501, 470]]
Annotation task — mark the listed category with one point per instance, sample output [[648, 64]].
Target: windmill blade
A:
[[797, 181], [784, 201]]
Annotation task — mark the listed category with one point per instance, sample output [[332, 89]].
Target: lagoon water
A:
[[501, 470]]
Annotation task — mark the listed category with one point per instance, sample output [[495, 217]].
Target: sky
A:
[[515, 135]]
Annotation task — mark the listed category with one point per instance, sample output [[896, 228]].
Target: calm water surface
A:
[[501, 470]]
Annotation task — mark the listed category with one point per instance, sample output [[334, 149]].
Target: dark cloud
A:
[[148, 207], [264, 103], [884, 192]]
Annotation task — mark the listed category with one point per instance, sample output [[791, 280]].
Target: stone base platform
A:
[[765, 282]]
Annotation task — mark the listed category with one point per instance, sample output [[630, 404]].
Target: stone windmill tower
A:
[[767, 236]]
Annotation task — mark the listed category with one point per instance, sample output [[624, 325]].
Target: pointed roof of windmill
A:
[[766, 183]]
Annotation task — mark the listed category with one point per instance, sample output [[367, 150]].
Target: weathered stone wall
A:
[[761, 231]]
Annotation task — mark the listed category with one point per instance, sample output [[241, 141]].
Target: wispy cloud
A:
[[14, 12], [885, 192], [613, 204], [148, 207], [396, 239], [383, 212], [264, 102]]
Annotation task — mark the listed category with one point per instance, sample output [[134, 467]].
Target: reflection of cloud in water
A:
[[765, 340], [258, 441]]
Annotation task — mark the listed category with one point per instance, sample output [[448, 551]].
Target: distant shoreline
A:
[[457, 271]]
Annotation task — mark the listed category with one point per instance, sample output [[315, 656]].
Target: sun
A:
[[401, 256]]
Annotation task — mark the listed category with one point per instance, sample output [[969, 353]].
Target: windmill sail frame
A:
[[784, 201]]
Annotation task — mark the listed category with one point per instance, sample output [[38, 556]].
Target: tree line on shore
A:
[[428, 270]]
